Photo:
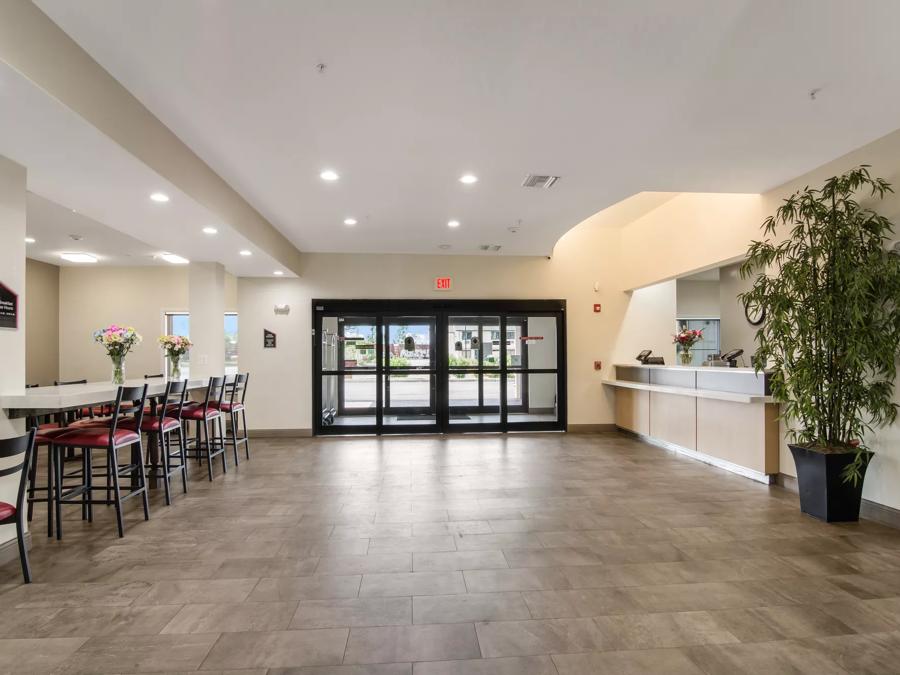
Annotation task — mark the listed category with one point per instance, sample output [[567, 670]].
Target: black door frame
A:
[[382, 312]]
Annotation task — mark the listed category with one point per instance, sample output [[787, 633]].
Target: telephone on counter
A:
[[644, 355], [732, 357]]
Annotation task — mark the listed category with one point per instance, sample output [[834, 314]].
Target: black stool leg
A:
[[89, 480], [32, 477], [142, 481], [224, 447], [183, 455], [50, 473], [208, 449], [58, 461], [234, 436], [246, 433], [23, 552], [164, 450], [113, 462]]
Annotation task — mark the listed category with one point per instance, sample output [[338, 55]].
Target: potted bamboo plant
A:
[[829, 290]]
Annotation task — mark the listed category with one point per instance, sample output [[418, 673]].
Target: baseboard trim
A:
[[9, 550], [717, 462], [590, 428], [868, 510], [280, 433]]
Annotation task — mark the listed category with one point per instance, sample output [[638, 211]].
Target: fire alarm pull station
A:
[[596, 307], [598, 365]]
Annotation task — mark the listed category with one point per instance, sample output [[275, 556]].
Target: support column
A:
[[12, 340], [206, 300]]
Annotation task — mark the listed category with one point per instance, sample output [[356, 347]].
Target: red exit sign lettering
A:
[[443, 283]]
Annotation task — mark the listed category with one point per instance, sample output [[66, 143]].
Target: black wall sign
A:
[[9, 308], [268, 339]]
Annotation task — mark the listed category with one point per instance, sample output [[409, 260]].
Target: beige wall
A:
[[697, 299], [91, 298], [42, 323], [735, 331]]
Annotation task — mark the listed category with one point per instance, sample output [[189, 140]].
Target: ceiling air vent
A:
[[535, 181], [490, 247]]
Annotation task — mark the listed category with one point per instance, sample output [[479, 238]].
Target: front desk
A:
[[721, 416]]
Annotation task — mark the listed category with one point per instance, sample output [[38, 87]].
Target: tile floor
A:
[[522, 555]]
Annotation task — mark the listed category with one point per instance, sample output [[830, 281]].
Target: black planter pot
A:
[[824, 494]]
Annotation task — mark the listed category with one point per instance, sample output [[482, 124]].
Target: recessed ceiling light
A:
[[329, 175], [277, 273], [349, 221], [160, 197], [443, 246], [453, 223], [245, 252], [209, 230], [174, 259], [468, 178], [78, 257], [29, 240]]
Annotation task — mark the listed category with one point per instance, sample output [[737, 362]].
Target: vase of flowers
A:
[[117, 341], [686, 338], [175, 346]]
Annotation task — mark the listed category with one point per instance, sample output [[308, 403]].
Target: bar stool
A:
[[236, 391], [111, 438], [162, 421], [15, 513], [204, 414]]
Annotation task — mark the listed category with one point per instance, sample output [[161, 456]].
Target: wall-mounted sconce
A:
[[282, 309]]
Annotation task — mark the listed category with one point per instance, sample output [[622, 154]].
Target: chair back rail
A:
[[12, 447], [138, 395]]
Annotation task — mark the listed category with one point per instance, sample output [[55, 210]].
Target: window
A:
[[179, 323], [709, 345]]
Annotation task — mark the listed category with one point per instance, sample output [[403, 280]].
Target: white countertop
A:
[[705, 369], [67, 396], [690, 391]]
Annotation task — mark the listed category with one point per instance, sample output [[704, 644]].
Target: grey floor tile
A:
[[278, 649], [469, 607], [637, 662], [283, 589], [458, 560], [232, 618], [514, 665], [412, 643], [412, 583], [353, 612]]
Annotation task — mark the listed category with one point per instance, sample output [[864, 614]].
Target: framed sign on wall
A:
[[9, 307]]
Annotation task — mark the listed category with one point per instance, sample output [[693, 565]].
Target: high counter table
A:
[[722, 416], [65, 398]]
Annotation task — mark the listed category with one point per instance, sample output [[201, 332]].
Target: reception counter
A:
[[721, 416]]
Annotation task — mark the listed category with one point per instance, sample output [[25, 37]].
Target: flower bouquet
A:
[[686, 339], [117, 341], [175, 346]]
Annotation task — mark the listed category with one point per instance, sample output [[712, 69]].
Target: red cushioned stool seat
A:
[[6, 511], [47, 436], [198, 413], [225, 406], [91, 437], [151, 424]]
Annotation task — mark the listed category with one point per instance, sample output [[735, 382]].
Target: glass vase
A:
[[687, 357], [118, 368], [174, 367]]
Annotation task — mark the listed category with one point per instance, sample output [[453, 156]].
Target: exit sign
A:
[[443, 283]]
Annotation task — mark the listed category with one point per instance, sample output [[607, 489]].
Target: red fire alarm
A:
[[596, 307]]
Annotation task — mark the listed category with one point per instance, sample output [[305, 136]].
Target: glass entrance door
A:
[[410, 371], [455, 366], [474, 352]]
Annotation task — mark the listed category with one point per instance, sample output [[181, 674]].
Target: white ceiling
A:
[[70, 165], [616, 97]]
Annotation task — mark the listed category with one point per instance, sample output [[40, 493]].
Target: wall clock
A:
[[755, 315]]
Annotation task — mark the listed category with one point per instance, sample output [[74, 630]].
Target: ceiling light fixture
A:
[[468, 178], [350, 221], [245, 252], [210, 230], [174, 259], [29, 240], [160, 197], [78, 257], [329, 175], [453, 223], [278, 273]]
